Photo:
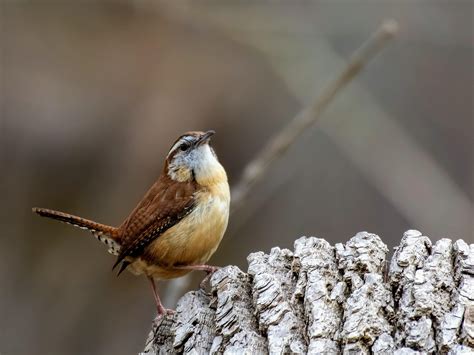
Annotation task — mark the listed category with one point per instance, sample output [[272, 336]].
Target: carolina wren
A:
[[178, 224]]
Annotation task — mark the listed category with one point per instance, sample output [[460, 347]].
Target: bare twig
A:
[[279, 144]]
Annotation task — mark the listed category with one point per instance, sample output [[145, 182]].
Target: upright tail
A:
[[106, 234]]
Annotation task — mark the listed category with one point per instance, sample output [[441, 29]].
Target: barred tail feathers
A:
[[104, 233]]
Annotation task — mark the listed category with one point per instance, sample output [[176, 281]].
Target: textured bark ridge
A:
[[332, 299]]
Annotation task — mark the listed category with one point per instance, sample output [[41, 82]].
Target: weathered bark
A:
[[332, 299]]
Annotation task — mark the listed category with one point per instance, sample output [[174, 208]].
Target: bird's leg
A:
[[209, 269], [159, 306]]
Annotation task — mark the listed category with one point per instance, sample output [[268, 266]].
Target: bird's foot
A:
[[210, 271], [162, 311]]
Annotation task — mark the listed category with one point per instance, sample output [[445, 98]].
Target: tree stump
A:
[[321, 298]]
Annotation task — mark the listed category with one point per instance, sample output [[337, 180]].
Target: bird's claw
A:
[[210, 272], [165, 312]]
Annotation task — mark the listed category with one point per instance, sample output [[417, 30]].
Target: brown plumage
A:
[[180, 221], [164, 205], [77, 221]]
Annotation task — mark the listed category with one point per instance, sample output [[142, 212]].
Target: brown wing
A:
[[164, 205]]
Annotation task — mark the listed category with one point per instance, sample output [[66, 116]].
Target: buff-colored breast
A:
[[190, 242]]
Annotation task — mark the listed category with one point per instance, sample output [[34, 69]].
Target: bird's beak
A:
[[205, 137]]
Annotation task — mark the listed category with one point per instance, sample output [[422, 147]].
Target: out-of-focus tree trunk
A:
[[332, 299]]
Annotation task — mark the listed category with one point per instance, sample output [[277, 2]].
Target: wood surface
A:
[[320, 298]]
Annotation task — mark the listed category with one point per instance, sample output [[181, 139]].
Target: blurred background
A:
[[94, 93]]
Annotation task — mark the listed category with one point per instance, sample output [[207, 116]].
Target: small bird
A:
[[178, 224]]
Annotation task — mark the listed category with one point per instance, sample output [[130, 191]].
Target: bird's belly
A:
[[190, 242]]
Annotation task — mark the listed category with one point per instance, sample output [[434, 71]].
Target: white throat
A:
[[201, 163]]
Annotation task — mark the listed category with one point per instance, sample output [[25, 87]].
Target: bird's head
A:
[[192, 158]]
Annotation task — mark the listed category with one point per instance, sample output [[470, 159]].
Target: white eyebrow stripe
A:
[[186, 139]]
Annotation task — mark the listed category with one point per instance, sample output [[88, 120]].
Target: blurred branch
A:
[[280, 143]]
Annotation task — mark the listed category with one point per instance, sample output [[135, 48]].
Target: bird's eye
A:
[[184, 147]]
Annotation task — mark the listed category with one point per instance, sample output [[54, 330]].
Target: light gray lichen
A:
[[194, 328], [278, 315], [325, 299], [369, 306], [319, 286], [237, 328]]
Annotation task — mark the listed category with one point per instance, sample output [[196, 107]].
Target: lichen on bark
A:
[[321, 298]]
